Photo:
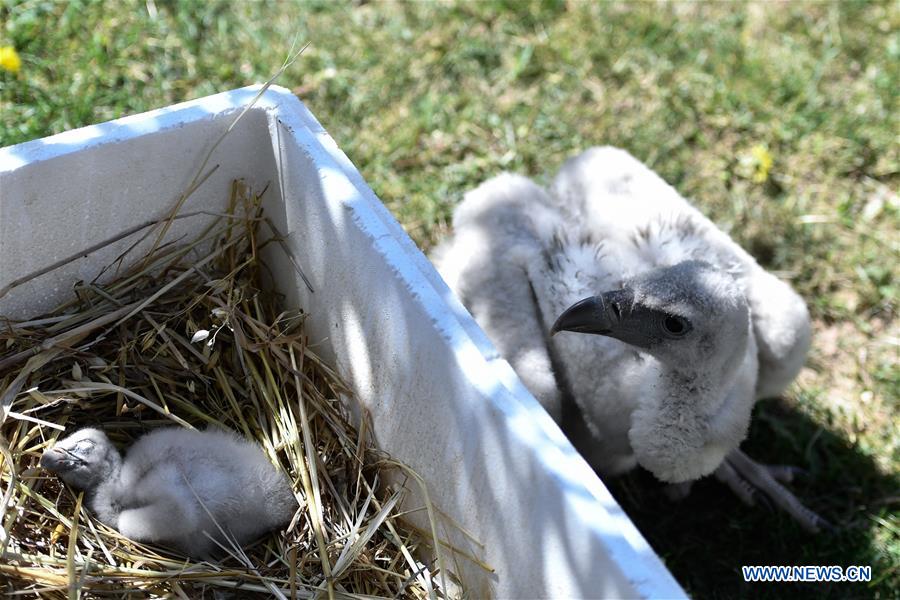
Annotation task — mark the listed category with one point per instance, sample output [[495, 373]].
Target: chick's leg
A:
[[166, 519], [747, 478]]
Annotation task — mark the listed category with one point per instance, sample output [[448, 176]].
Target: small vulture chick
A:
[[177, 487], [686, 330]]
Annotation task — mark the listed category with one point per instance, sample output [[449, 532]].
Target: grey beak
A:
[[53, 459], [597, 314]]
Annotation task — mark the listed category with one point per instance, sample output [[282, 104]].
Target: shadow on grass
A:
[[706, 538]]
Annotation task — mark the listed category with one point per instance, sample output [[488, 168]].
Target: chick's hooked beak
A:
[[598, 314], [57, 459]]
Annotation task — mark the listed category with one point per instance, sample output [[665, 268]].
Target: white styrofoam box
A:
[[440, 397]]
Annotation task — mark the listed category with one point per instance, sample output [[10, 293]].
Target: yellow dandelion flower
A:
[[764, 161], [9, 59]]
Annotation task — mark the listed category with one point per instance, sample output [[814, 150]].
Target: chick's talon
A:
[[743, 474]]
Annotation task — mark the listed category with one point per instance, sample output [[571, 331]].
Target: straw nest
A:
[[188, 336]]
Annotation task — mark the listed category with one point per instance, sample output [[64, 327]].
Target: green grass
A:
[[429, 99]]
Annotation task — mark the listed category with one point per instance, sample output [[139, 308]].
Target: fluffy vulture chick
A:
[[691, 330], [175, 486]]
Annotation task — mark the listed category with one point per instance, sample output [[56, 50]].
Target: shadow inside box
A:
[[707, 537]]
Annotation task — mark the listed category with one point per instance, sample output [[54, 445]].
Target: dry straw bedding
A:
[[189, 337]]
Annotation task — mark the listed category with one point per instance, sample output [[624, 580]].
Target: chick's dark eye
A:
[[83, 446], [676, 326], [616, 309]]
